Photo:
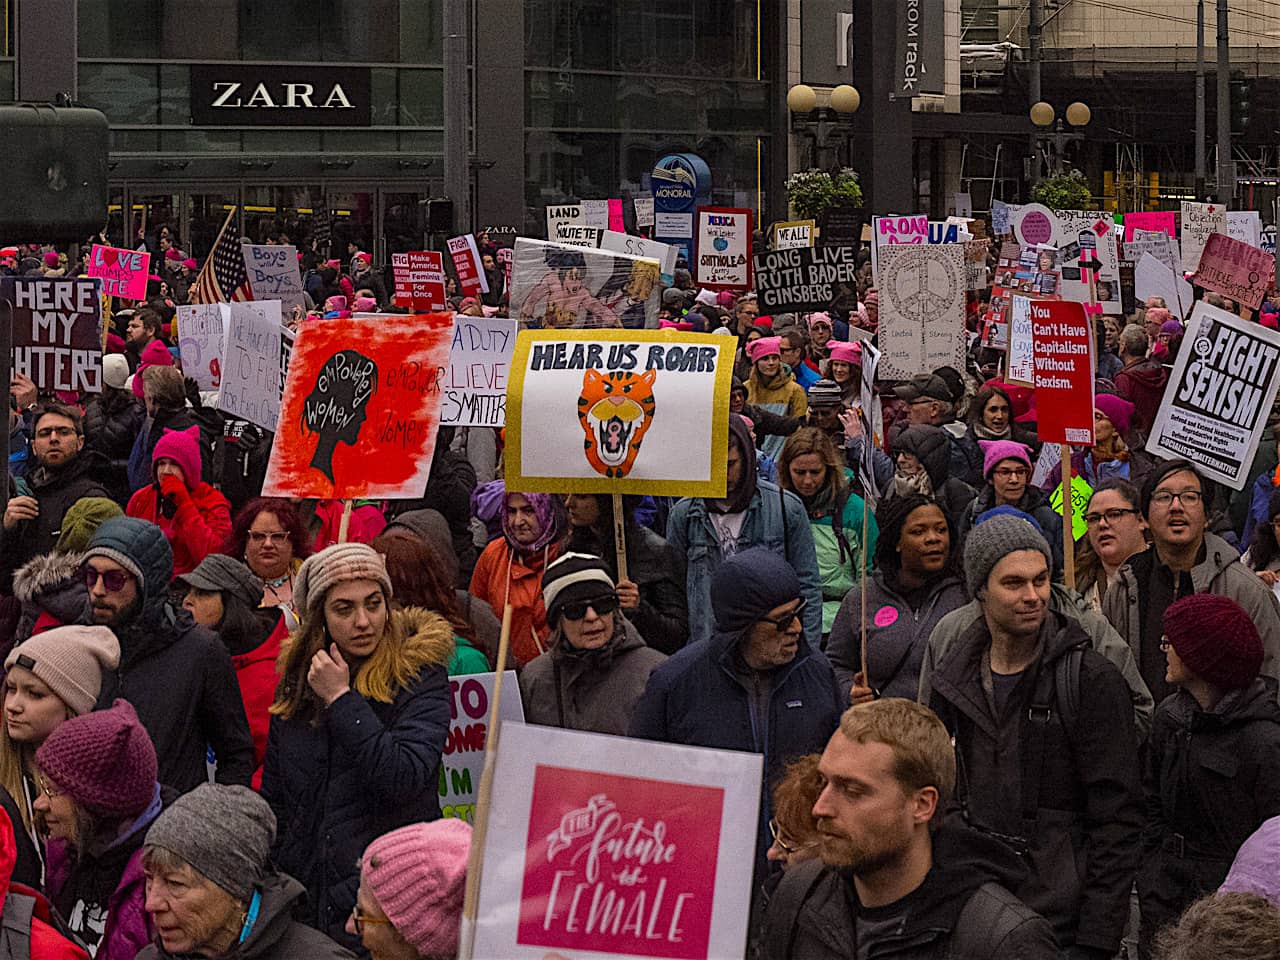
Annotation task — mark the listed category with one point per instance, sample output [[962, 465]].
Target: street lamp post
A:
[[823, 126], [1043, 116]]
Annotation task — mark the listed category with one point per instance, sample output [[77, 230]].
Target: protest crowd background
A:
[[952, 548]]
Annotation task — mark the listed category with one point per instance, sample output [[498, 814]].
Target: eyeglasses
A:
[[787, 846], [358, 919], [784, 621], [47, 788], [1009, 473], [261, 538], [603, 606], [113, 580], [1112, 516], [44, 433], [1188, 498]]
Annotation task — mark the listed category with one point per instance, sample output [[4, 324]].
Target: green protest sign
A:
[[1080, 494]]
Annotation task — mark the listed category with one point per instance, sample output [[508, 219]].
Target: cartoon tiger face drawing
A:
[[615, 410]]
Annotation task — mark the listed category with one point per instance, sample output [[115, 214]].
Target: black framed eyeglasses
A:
[[1112, 516], [783, 621], [603, 606]]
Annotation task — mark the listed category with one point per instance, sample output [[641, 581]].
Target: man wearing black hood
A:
[[754, 513], [890, 882]]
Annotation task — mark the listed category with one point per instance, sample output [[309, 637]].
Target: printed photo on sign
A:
[[57, 331], [554, 286], [607, 847], [619, 412], [475, 386], [361, 408], [922, 297], [1219, 395]]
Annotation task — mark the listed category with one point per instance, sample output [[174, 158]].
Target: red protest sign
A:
[[1062, 354], [419, 277], [1235, 269], [466, 263]]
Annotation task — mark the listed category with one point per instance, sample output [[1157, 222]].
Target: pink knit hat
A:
[[183, 448], [1117, 409], [845, 352], [104, 760], [190, 263], [154, 354], [820, 318], [51, 258], [764, 347], [993, 451], [417, 874]]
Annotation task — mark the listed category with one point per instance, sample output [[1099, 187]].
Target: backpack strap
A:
[[837, 526], [15, 927], [1056, 698], [786, 530], [782, 915]]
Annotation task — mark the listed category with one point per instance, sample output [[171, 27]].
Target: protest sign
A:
[[251, 363], [977, 276], [995, 323], [1159, 246], [895, 230], [361, 408], [57, 331], [804, 279], [644, 212], [793, 233], [463, 757], [619, 412], [1236, 270], [1162, 221], [1001, 217], [1245, 226], [1022, 363], [616, 848], [723, 248], [1050, 457], [922, 296], [1062, 346], [1128, 301], [202, 329], [617, 222], [466, 264], [559, 286], [1033, 224], [1088, 259], [419, 279], [562, 214], [475, 385], [123, 272], [578, 235], [1198, 221], [595, 213], [665, 253], [1216, 404], [1267, 240], [1151, 278], [947, 232], [273, 273], [1080, 494]]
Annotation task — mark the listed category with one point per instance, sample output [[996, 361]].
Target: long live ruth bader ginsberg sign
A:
[[619, 411]]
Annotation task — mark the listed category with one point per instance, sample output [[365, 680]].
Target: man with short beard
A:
[[891, 880]]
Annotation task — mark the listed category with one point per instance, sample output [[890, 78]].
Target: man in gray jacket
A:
[[891, 881], [1184, 558]]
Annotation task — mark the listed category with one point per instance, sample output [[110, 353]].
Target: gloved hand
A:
[[172, 487]]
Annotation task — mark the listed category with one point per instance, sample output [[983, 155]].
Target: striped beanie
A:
[[574, 577], [825, 393]]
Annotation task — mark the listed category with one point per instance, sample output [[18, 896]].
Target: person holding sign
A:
[[596, 664], [357, 728], [1110, 456]]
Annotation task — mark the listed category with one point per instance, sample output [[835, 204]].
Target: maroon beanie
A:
[[103, 760], [1215, 639]]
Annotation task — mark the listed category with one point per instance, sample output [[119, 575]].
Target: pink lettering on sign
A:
[[886, 616], [619, 864], [123, 272]]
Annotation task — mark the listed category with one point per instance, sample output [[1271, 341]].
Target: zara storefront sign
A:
[[246, 94]]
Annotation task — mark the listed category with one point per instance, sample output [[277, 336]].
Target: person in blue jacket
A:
[[760, 684], [357, 728], [754, 513]]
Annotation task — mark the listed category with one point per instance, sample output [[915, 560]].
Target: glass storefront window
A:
[[127, 93]]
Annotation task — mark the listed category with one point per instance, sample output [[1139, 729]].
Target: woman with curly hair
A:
[[269, 536]]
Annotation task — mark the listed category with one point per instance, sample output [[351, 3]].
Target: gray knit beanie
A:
[[992, 540], [223, 832], [336, 564]]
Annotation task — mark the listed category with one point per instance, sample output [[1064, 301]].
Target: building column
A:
[[498, 108], [882, 127], [45, 46]]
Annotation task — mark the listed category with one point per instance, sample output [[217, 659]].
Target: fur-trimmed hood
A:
[[43, 573], [428, 638]]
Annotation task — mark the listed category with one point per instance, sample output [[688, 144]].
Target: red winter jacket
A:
[[256, 674], [199, 526], [46, 942]]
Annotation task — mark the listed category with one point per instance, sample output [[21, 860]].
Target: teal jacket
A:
[[839, 566]]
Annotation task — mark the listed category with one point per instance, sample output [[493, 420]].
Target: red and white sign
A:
[[466, 263], [1236, 270], [616, 848], [723, 255], [419, 277], [1062, 355]]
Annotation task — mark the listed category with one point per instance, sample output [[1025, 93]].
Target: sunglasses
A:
[[113, 580], [784, 621], [603, 606]]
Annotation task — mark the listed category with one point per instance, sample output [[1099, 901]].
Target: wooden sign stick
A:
[[620, 537], [344, 525]]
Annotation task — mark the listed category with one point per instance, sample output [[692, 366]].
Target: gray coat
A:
[[596, 691]]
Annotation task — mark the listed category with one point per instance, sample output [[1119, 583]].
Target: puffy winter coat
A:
[[1212, 778], [195, 525], [593, 690], [257, 678], [529, 630], [51, 591], [112, 423], [366, 767], [140, 473], [897, 636], [1066, 787]]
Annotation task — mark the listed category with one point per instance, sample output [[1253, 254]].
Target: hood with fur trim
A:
[[428, 638], [44, 573]]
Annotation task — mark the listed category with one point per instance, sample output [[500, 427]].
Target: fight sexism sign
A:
[[620, 848]]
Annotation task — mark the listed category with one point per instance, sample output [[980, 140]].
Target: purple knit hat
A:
[[417, 875], [551, 519], [103, 760], [993, 451]]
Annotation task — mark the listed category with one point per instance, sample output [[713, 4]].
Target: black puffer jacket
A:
[[1082, 837], [962, 911], [177, 674], [111, 426], [1212, 777], [932, 447]]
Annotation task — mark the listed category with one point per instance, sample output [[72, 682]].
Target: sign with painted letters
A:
[[202, 330], [1237, 270], [1198, 221], [793, 233], [57, 331], [562, 213], [273, 273], [251, 363], [475, 385], [123, 272], [463, 757], [723, 256]]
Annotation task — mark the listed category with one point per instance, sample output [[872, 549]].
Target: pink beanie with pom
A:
[[418, 874]]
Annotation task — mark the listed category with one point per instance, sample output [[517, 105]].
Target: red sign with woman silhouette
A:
[[361, 408]]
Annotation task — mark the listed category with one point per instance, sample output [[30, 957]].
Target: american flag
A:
[[223, 277]]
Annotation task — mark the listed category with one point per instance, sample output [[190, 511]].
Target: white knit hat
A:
[[339, 563]]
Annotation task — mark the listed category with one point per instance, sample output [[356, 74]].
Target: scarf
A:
[[916, 483], [983, 433]]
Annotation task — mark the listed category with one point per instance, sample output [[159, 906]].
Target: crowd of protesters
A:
[[223, 729]]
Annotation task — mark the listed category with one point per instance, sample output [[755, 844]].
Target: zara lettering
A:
[[290, 96]]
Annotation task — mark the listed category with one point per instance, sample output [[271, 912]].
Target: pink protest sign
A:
[[1162, 221], [1235, 269], [617, 848], [419, 277], [123, 272], [616, 223]]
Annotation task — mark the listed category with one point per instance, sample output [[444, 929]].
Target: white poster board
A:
[[1151, 278], [464, 746], [251, 380], [475, 386], [1245, 226], [202, 328], [1198, 221], [922, 297], [273, 273], [1021, 355]]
